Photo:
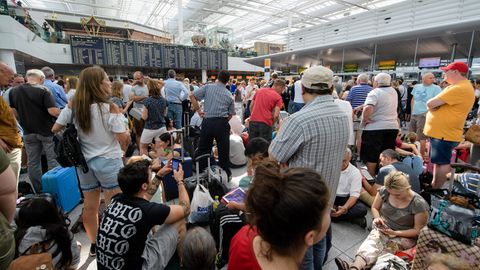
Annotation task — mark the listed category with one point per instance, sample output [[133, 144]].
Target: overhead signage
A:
[[350, 68], [386, 65], [266, 63], [431, 62]]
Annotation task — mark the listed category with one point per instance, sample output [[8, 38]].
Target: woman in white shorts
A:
[[154, 115], [103, 134]]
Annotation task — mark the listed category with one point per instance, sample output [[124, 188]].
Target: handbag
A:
[[136, 113], [455, 215], [38, 258], [68, 149], [473, 134]]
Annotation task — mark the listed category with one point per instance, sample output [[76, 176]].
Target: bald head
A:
[[6, 74], [428, 78]]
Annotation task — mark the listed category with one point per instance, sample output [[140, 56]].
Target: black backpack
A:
[[67, 148]]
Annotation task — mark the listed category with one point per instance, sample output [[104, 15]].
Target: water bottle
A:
[[215, 203]]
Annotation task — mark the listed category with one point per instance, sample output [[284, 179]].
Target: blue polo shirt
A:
[[58, 93]]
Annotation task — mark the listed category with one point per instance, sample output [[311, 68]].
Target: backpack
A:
[[67, 147], [38, 257]]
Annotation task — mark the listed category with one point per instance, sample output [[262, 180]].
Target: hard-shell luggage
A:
[[62, 184]]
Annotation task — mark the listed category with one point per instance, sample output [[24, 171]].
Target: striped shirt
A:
[[358, 94], [218, 101], [315, 137]]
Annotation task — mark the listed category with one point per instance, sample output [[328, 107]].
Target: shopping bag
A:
[[390, 262], [201, 205]]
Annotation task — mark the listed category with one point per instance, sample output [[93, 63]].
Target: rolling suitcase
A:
[[62, 184]]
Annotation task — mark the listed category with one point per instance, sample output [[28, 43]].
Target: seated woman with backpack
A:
[[39, 222]]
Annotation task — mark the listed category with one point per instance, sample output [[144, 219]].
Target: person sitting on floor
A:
[[123, 239], [346, 205], [398, 216], [389, 160], [237, 148], [165, 147], [39, 220], [198, 250], [406, 149], [277, 198]]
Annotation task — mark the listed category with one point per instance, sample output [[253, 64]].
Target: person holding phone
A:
[[130, 217], [398, 216]]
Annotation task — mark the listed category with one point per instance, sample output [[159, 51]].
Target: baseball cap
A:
[[459, 66], [314, 76]]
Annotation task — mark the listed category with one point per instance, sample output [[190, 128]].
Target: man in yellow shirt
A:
[[446, 117]]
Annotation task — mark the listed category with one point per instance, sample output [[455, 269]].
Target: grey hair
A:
[[48, 71], [383, 79], [199, 250], [37, 73], [348, 152], [427, 74], [363, 78], [171, 73]]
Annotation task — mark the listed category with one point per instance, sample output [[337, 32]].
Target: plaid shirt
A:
[[315, 137]]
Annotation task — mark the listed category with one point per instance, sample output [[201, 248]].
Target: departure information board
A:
[[118, 52], [88, 50]]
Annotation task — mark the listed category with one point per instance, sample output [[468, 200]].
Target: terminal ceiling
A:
[[251, 20]]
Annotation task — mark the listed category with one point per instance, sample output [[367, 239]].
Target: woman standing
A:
[[154, 115], [251, 89], [103, 134], [398, 216]]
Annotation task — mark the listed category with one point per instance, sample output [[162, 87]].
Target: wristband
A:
[[180, 183]]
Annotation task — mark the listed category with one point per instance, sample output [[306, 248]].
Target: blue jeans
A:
[[297, 106], [316, 255], [175, 114]]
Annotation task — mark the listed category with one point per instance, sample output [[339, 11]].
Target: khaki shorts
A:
[[417, 123]]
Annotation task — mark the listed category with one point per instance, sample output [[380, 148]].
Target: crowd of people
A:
[[303, 144]]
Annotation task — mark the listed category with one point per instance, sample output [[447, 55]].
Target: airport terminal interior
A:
[[240, 134]]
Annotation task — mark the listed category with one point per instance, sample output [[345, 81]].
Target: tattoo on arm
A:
[[153, 187], [186, 208]]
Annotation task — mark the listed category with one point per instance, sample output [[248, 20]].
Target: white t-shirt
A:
[[251, 91], [384, 101], [70, 94], [101, 141], [403, 92], [139, 91], [350, 183], [347, 108], [237, 150], [196, 120], [126, 92], [298, 98]]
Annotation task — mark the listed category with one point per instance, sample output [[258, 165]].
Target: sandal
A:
[[341, 264]]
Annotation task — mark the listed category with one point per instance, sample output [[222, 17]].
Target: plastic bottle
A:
[[215, 203]]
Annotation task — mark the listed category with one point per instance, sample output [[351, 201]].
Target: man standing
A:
[[379, 121], [298, 101], [127, 88], [446, 117], [175, 93], [420, 95], [265, 108], [138, 94], [36, 111], [57, 91], [219, 108], [17, 80], [10, 140], [316, 137], [359, 92]]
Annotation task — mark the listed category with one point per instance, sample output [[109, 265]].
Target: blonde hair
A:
[[412, 137], [117, 87], [397, 180], [452, 263]]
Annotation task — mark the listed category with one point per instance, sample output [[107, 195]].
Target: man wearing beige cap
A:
[[315, 137], [446, 117]]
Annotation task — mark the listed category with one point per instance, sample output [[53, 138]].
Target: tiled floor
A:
[[346, 238]]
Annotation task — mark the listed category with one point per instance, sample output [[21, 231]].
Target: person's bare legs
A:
[[359, 263], [423, 148], [440, 174], [371, 168], [143, 149], [109, 193], [91, 205]]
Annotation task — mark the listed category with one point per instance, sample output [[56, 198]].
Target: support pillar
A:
[[204, 75], [180, 21]]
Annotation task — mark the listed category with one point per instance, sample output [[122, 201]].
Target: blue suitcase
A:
[[170, 185], [63, 185]]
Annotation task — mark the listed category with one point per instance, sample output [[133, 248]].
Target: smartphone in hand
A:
[[175, 164]]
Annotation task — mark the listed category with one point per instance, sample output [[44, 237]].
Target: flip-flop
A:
[[341, 264]]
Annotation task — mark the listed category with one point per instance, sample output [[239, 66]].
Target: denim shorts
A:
[[441, 151], [102, 172]]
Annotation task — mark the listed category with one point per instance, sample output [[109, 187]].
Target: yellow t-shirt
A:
[[447, 122]]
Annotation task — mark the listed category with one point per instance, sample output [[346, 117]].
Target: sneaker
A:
[[93, 251], [362, 222]]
